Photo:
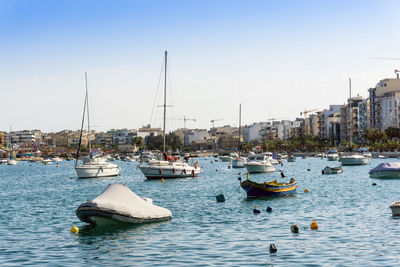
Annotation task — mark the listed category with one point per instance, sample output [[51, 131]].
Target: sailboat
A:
[[157, 169], [11, 160], [353, 158], [239, 162], [93, 166]]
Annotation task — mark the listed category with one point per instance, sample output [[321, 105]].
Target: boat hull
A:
[[225, 158], [256, 190], [259, 168], [108, 217], [395, 207], [238, 163], [291, 159], [169, 172], [354, 161], [333, 157], [97, 171], [386, 174], [333, 170]]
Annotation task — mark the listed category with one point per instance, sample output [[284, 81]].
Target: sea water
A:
[[356, 227]]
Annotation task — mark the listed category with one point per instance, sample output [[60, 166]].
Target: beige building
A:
[[349, 130]]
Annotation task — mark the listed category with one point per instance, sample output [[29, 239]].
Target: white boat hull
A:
[[333, 157], [395, 207], [12, 162], [158, 172], [238, 163], [259, 168], [97, 171], [354, 161]]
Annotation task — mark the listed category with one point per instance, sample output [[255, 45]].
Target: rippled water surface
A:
[[38, 203]]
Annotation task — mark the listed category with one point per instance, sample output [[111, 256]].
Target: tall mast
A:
[[165, 98], [351, 115], [88, 120], [240, 123], [83, 122]]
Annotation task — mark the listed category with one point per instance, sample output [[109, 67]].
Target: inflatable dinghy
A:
[[118, 204]]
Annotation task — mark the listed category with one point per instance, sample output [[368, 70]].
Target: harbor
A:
[[356, 226]]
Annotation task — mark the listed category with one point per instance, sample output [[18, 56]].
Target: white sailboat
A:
[[353, 158], [239, 162], [93, 166], [157, 169]]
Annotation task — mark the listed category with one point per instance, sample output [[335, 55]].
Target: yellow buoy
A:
[[74, 229], [248, 175], [162, 180], [256, 207], [314, 225], [66, 165], [58, 165], [42, 163], [306, 190]]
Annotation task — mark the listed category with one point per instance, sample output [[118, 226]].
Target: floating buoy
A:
[[256, 210], [308, 170], [216, 170], [220, 198], [229, 166], [42, 163], [57, 165], [162, 180], [314, 225], [269, 209], [239, 178], [240, 173], [294, 228], [306, 190], [74, 229], [374, 184], [66, 165], [272, 248], [248, 175]]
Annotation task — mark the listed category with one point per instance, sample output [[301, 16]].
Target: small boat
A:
[[382, 157], [3, 161], [47, 161], [157, 169], [291, 158], [332, 170], [354, 159], [259, 164], [118, 204], [332, 155], [270, 189], [56, 159], [386, 170], [395, 207], [239, 162], [11, 161]]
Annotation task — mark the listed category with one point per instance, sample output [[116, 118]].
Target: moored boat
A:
[[395, 207], [239, 162], [354, 159], [389, 170], [259, 164], [332, 170], [268, 189], [332, 155], [291, 158], [118, 204]]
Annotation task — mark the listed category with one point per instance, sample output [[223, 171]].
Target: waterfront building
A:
[[254, 131], [363, 119], [349, 130], [195, 135]]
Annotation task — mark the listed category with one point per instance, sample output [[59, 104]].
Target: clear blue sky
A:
[[274, 57]]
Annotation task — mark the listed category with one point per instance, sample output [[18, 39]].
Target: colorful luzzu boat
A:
[[268, 189]]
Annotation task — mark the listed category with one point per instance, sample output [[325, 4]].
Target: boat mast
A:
[[88, 121], [83, 121], [351, 115], [240, 123], [165, 99]]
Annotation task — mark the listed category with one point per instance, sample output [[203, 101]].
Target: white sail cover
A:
[[119, 200], [388, 166]]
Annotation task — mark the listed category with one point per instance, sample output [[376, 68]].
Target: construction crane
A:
[[186, 119], [305, 112], [213, 121]]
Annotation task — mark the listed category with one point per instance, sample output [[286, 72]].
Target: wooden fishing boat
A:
[[268, 189], [332, 170]]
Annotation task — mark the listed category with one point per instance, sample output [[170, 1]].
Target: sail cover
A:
[[389, 166], [119, 200]]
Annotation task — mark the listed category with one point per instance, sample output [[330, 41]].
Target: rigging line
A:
[[158, 87]]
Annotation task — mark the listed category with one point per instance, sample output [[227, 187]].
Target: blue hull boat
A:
[[270, 189]]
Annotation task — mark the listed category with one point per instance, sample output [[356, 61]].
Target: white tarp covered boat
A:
[[386, 170], [118, 204]]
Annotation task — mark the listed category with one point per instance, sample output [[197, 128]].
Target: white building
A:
[[195, 135]]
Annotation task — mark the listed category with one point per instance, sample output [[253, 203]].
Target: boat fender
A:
[[184, 171], [256, 210], [306, 190], [314, 225], [220, 198], [74, 229], [173, 170], [294, 228], [160, 171], [323, 172], [272, 248], [196, 165], [239, 178], [193, 173], [269, 209]]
